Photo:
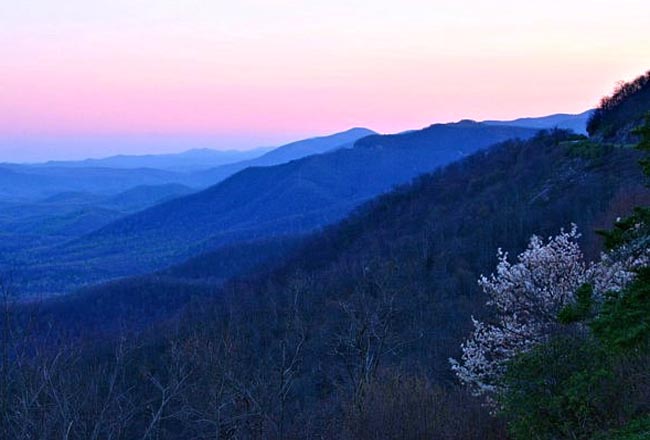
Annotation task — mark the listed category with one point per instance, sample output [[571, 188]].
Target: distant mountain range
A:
[[190, 160], [291, 189], [261, 202], [195, 168], [576, 123], [42, 205]]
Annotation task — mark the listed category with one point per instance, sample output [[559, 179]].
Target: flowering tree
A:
[[527, 297]]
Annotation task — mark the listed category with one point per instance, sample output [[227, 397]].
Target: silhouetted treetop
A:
[[619, 113]]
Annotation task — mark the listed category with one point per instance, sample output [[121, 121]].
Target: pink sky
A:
[[263, 72]]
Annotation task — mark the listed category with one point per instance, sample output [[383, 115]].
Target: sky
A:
[[90, 78]]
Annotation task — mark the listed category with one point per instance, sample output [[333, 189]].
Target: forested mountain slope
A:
[[440, 232]]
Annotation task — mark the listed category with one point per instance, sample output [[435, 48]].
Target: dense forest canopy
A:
[[347, 332]]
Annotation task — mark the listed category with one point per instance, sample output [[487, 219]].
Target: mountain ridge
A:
[[288, 152]]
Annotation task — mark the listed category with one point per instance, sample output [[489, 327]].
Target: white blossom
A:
[[527, 297]]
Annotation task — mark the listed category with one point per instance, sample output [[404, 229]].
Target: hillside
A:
[[262, 202], [618, 114]]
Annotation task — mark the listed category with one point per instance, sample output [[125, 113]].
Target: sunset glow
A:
[[259, 72]]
